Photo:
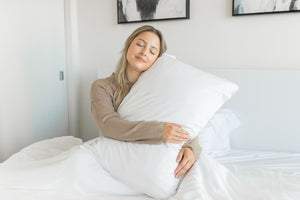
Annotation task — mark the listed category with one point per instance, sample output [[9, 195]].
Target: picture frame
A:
[[130, 11], [251, 7]]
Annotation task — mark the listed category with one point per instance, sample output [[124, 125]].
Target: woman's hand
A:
[[186, 158], [173, 133]]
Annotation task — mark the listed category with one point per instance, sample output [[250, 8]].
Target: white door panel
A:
[[32, 49]]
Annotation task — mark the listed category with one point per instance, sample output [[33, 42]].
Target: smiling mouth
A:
[[140, 59]]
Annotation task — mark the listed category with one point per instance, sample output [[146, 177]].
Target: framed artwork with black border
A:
[[130, 11], [250, 7]]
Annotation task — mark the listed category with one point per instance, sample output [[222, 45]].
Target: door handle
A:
[[61, 75]]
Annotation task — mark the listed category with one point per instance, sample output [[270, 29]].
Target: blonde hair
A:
[[123, 85]]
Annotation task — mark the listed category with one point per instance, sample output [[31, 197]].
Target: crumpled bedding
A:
[[60, 168]]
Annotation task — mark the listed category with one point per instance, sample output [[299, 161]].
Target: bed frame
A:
[[268, 105]]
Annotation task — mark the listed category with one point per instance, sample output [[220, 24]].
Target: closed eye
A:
[[140, 45], [153, 53]]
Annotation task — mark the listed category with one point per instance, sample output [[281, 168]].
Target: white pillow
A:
[[170, 91], [146, 168], [214, 138]]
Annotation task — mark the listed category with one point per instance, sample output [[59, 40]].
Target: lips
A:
[[140, 59]]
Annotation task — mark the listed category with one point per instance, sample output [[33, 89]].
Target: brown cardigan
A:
[[113, 126]]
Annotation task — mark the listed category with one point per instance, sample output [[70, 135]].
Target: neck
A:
[[132, 75]]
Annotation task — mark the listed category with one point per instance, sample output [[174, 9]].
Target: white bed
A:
[[208, 179], [268, 108]]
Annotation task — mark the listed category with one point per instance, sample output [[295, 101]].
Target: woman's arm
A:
[[113, 126], [194, 145], [187, 156]]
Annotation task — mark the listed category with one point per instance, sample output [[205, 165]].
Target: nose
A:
[[143, 51]]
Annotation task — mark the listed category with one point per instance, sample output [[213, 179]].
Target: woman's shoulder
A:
[[106, 83]]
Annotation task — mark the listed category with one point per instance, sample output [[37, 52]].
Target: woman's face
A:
[[143, 51]]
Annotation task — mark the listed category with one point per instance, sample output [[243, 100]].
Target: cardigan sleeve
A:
[[195, 146], [113, 126]]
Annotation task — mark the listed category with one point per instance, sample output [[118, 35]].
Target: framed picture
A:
[[152, 10], [249, 7]]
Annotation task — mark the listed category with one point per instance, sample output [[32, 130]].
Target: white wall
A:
[[212, 38], [267, 106]]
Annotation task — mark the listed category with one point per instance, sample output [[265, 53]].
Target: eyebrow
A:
[[147, 43]]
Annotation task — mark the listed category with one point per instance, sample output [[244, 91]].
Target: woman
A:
[[141, 50]]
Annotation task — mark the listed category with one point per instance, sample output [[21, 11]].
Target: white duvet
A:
[[62, 168]]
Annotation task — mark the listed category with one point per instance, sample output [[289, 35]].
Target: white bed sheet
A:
[[31, 195], [269, 159], [244, 162], [244, 174], [240, 174]]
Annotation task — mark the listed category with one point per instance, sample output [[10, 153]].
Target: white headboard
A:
[[268, 105]]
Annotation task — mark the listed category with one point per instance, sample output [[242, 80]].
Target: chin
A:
[[141, 68]]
